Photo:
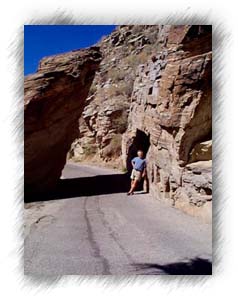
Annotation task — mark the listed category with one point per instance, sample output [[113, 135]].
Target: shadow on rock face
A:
[[195, 266]]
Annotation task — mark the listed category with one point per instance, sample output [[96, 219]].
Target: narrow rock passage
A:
[[110, 234]]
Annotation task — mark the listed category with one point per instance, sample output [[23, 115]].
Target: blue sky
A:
[[44, 40]]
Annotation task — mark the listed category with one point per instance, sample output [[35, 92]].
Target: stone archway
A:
[[54, 98], [141, 141]]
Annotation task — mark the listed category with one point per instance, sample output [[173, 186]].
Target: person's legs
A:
[[132, 183], [133, 186], [136, 177]]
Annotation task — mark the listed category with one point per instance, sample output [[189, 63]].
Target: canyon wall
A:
[[153, 91], [105, 115], [171, 118], [54, 99]]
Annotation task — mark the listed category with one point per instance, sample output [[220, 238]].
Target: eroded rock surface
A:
[[104, 118], [54, 99], [171, 105], [153, 91]]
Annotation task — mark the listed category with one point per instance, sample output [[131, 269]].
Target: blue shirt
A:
[[139, 163]]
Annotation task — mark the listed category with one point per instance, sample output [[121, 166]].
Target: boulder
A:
[[201, 151]]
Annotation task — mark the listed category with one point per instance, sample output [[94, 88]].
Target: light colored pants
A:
[[136, 175]]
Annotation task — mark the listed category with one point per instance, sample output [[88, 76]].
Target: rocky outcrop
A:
[[54, 99], [194, 195], [104, 118], [171, 118], [152, 92], [100, 128]]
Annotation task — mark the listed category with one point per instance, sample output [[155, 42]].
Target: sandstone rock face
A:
[[171, 113], [104, 118], [194, 195], [152, 92], [54, 99]]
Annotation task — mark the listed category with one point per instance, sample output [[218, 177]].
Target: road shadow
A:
[[195, 266], [85, 186]]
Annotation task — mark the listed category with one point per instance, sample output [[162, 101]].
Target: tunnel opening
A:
[[141, 141]]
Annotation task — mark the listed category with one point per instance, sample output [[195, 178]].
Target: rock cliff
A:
[[104, 118], [153, 91], [171, 118], [53, 101]]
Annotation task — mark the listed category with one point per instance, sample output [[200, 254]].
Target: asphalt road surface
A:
[[99, 230]]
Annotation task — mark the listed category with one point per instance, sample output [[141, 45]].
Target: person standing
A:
[[138, 171]]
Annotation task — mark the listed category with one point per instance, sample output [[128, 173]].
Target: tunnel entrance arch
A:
[[141, 141], [71, 186]]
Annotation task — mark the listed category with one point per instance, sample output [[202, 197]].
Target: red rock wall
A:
[[172, 104], [54, 99]]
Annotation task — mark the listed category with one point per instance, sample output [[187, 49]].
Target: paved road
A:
[[112, 233]]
